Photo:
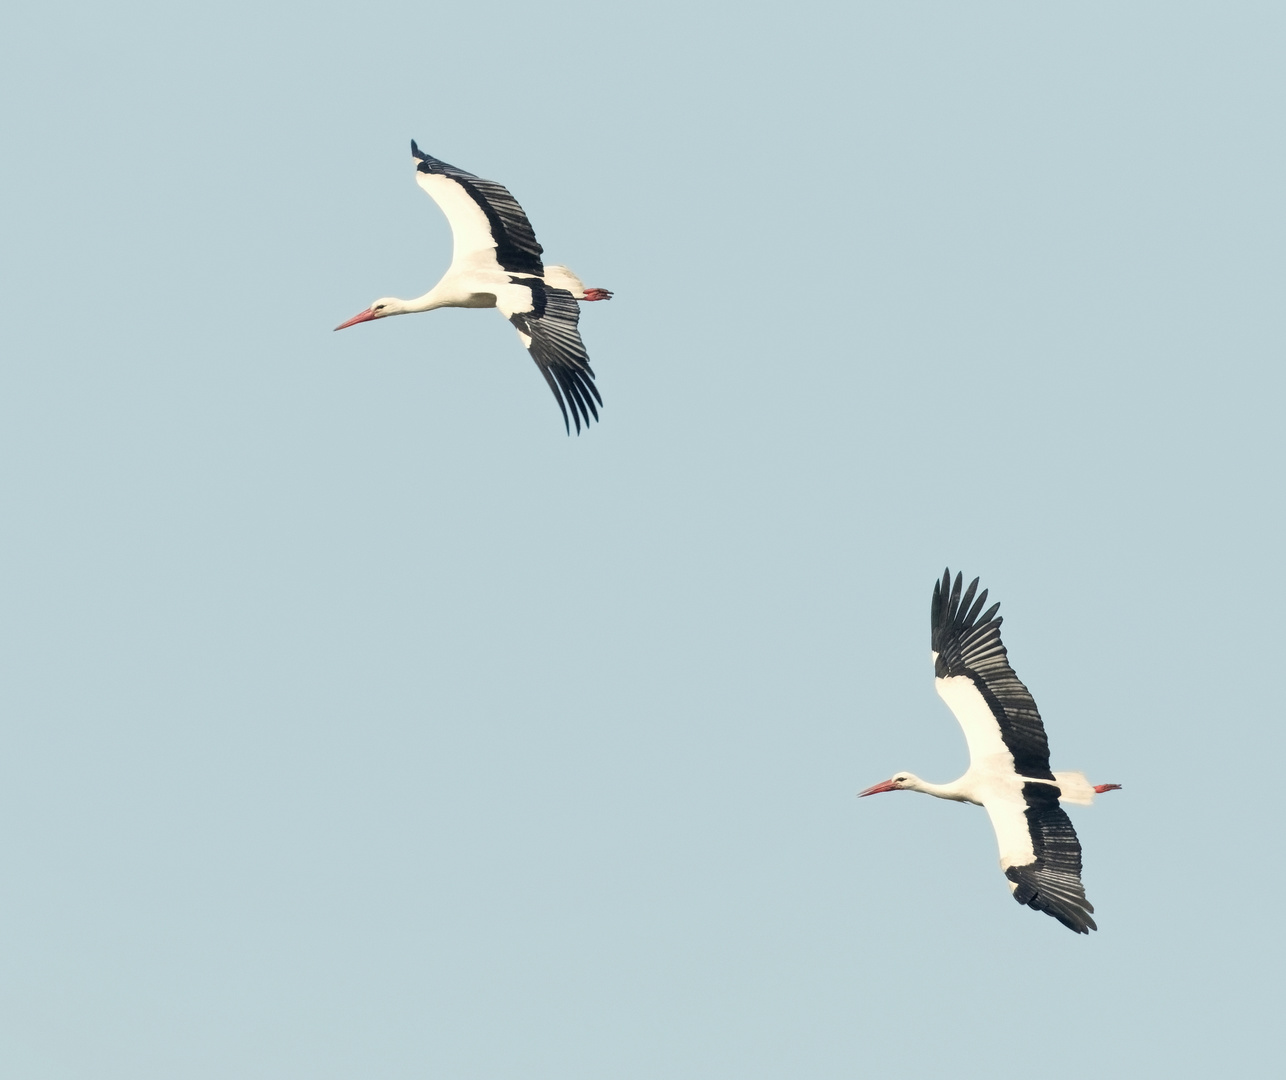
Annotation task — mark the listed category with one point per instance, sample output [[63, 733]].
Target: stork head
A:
[[903, 781], [387, 305]]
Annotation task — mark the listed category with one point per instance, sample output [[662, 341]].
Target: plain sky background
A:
[[360, 723]]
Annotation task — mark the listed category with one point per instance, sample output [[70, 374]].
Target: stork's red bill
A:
[[1008, 774], [496, 262]]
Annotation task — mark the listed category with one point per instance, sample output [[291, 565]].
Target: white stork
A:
[[1008, 771], [495, 262]]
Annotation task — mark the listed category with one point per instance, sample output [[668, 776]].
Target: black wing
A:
[[968, 644], [1052, 883], [550, 334], [517, 249]]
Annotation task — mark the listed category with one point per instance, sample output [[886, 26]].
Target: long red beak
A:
[[886, 785], [365, 316]]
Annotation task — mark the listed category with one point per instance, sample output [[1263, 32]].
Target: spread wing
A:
[[973, 677], [550, 333], [488, 228], [1046, 875]]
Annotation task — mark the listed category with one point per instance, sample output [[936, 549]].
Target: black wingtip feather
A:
[[572, 394], [558, 397], [572, 391], [946, 616], [977, 604]]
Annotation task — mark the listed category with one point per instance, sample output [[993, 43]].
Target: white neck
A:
[[956, 791], [436, 297], [454, 290], [443, 294]]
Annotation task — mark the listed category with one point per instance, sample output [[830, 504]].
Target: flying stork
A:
[[495, 262], [1008, 772]]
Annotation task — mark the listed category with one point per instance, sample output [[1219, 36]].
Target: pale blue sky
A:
[[359, 723]]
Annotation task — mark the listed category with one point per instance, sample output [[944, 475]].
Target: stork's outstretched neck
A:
[[957, 791]]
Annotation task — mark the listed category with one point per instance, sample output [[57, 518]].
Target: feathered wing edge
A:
[[1052, 883], [967, 642], [517, 249], [550, 333]]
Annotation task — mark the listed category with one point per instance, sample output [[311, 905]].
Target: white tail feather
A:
[[559, 277], [1074, 788]]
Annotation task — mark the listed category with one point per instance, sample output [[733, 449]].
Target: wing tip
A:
[[954, 613], [423, 161], [1074, 911]]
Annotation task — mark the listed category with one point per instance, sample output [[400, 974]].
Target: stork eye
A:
[[379, 307]]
